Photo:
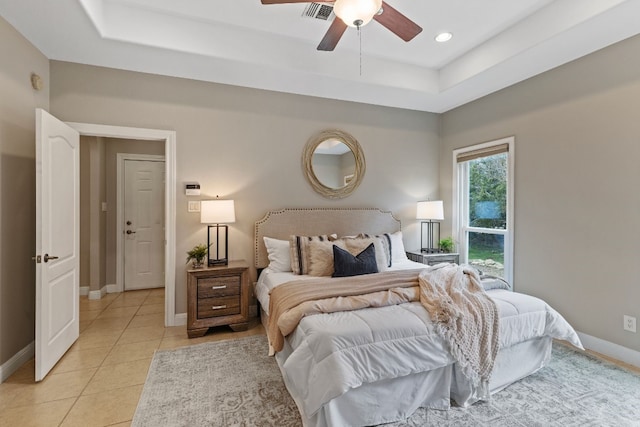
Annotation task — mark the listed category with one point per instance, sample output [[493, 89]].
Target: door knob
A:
[[131, 232], [128, 222], [47, 257]]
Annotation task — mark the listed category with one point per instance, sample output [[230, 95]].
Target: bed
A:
[[379, 364]]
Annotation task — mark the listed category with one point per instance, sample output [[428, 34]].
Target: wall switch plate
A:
[[193, 206], [104, 206], [629, 323]]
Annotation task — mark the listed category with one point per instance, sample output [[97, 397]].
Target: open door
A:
[[57, 240]]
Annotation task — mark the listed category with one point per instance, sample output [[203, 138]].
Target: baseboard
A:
[[18, 359], [610, 349], [98, 294], [180, 319], [112, 289], [84, 290]]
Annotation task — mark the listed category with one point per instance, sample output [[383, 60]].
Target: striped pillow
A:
[[385, 240], [300, 251]]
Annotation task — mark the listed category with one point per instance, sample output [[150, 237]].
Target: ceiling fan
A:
[[356, 13]]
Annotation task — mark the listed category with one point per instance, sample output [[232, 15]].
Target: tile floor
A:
[[99, 380]]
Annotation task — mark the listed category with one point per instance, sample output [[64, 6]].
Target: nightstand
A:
[[218, 295], [433, 258]]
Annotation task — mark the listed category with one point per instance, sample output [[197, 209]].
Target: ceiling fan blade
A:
[[333, 35], [397, 23], [284, 1]]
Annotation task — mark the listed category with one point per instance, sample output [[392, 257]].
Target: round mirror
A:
[[333, 163]]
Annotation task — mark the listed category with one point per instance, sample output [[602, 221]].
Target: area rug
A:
[[235, 383]]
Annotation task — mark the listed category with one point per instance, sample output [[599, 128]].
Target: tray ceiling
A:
[[496, 43]]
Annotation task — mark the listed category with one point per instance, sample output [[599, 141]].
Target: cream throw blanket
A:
[[465, 316]]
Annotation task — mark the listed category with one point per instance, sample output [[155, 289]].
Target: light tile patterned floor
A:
[[99, 381]]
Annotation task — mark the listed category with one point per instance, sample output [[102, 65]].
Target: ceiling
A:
[[496, 43]]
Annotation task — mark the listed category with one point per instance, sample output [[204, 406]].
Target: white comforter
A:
[[328, 354]]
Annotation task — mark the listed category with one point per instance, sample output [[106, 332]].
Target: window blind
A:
[[482, 152]]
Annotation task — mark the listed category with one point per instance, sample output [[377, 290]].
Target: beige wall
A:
[[577, 207], [18, 101], [246, 144], [92, 219], [85, 216]]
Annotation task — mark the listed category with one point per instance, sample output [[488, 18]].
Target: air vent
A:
[[319, 11]]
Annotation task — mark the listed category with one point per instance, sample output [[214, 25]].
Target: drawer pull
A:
[[218, 307], [219, 287]]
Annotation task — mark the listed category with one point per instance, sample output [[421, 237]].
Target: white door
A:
[[57, 240], [143, 224]]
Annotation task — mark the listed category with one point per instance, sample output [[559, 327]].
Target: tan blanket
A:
[[465, 316], [327, 295]]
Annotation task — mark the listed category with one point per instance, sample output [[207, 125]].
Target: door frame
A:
[[169, 139], [121, 158]]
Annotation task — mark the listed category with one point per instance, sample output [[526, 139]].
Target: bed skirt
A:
[[377, 403]]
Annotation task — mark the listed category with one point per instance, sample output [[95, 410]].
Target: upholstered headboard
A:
[[314, 221]]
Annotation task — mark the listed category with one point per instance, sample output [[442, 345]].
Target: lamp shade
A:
[[431, 209], [217, 212], [356, 13]]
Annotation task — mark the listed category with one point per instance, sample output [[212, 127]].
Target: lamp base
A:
[[431, 250], [430, 237], [221, 258]]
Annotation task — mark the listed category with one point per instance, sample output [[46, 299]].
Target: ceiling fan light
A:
[[356, 13]]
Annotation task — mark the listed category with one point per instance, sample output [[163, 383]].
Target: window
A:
[[483, 206]]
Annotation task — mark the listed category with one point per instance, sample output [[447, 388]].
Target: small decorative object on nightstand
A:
[[218, 296], [434, 258], [198, 253]]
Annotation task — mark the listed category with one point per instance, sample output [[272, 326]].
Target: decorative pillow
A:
[[494, 282], [278, 254], [397, 247], [355, 246], [347, 265], [383, 248], [299, 252], [321, 257]]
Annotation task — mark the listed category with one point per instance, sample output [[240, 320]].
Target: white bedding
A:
[[330, 354]]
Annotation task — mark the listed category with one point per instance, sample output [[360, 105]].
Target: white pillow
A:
[[278, 254], [397, 247]]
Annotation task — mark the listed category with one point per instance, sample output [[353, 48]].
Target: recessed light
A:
[[443, 37]]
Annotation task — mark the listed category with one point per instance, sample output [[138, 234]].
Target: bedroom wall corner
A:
[[18, 101], [576, 205]]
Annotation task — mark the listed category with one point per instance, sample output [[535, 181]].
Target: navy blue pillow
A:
[[345, 264]]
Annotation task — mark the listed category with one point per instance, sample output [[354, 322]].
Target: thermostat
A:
[[192, 189]]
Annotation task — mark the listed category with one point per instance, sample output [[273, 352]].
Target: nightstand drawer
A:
[[216, 287], [213, 307], [433, 260]]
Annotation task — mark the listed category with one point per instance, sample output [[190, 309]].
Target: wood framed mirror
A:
[[333, 163]]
